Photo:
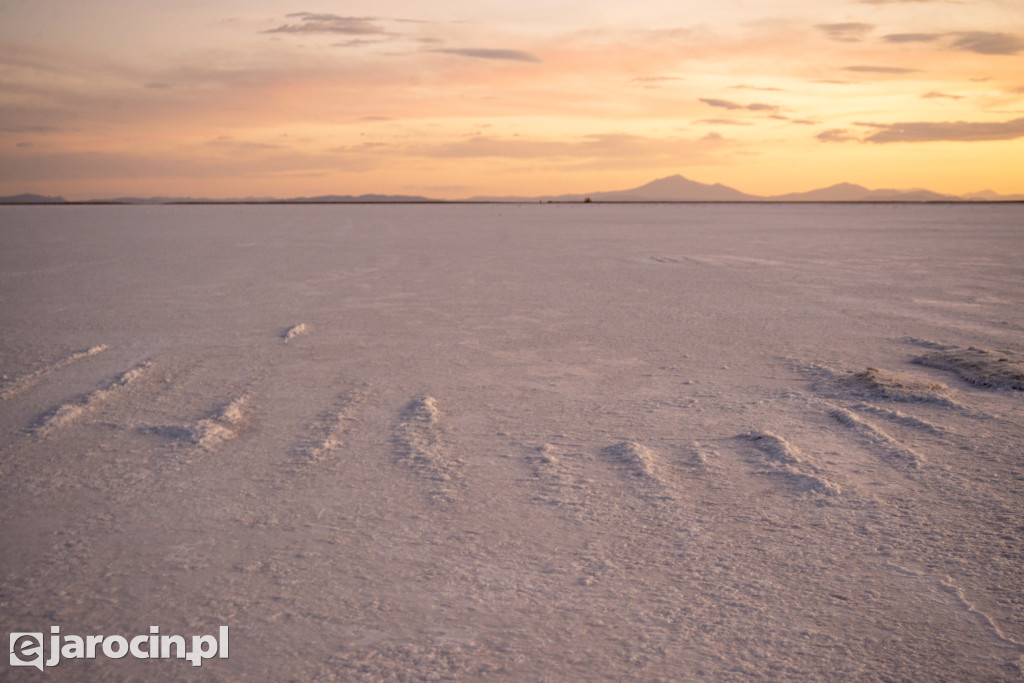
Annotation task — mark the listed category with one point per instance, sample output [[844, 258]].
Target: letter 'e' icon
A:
[[27, 649]]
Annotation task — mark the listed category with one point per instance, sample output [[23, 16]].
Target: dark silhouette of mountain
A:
[[324, 199], [363, 198], [843, 192], [31, 199], [847, 192], [676, 188], [990, 196], [141, 200]]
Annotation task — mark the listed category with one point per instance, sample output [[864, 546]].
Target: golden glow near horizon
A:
[[233, 98]]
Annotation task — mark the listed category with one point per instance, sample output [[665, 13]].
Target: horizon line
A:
[[257, 202], [675, 188]]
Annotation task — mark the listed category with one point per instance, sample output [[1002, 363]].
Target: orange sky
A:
[[233, 98]]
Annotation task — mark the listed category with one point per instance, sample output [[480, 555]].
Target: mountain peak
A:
[[676, 188]]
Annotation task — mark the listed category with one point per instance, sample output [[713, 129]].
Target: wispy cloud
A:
[[911, 37], [489, 53], [754, 87], [330, 23], [979, 42], [129, 166], [835, 135], [655, 81], [946, 131], [935, 95], [850, 32], [725, 122], [357, 42], [867, 69], [603, 147], [230, 143], [929, 131], [987, 43], [29, 129], [726, 104], [723, 104]]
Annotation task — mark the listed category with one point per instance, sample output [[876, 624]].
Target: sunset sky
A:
[[450, 98]]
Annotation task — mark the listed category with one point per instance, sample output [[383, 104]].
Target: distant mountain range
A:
[[674, 188], [325, 199]]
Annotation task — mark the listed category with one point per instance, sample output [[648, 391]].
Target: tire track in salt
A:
[[899, 418], [208, 433], [855, 399], [642, 469], [892, 450], [785, 461], [878, 384], [326, 435], [73, 410], [223, 425], [945, 583], [26, 382], [589, 483], [422, 444], [559, 476]]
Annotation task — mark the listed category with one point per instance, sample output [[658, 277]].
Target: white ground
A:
[[518, 442]]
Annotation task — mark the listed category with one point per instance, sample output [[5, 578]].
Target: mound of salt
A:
[[898, 386], [223, 426], [775, 448], [634, 456], [423, 410], [421, 441], [981, 367], [296, 331]]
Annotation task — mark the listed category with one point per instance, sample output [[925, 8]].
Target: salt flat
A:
[[518, 442]]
